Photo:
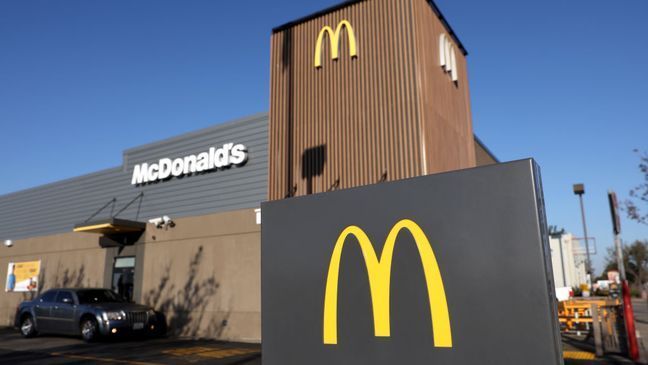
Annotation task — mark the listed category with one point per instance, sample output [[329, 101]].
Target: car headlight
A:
[[114, 316]]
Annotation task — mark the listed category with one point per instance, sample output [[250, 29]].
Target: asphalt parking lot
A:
[[69, 350]]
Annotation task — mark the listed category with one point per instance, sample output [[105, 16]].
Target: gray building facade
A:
[[201, 271], [57, 207]]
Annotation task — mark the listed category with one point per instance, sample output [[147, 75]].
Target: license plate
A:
[[138, 326]]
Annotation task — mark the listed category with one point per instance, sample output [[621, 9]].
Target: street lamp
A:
[[579, 189]]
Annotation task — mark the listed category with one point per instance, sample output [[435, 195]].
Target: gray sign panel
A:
[[443, 269]]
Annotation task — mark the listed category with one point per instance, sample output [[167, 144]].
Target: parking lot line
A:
[[578, 355], [101, 359], [212, 352]]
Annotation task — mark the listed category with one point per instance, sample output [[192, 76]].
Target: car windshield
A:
[[98, 296]]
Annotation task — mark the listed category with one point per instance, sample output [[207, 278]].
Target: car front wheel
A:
[[27, 327], [89, 330]]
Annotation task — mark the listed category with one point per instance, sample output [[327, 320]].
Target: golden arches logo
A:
[[334, 38], [379, 271]]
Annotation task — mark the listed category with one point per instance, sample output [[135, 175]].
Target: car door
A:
[[42, 310], [62, 313]]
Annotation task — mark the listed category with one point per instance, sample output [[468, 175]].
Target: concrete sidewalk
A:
[[640, 308]]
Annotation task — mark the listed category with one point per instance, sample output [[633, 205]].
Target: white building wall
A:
[[572, 261]]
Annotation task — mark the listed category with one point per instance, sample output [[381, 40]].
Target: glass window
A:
[[48, 296], [64, 297], [98, 296], [123, 262], [123, 277]]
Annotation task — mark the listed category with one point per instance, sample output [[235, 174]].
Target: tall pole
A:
[[619, 252], [616, 229], [579, 189], [589, 262], [628, 312]]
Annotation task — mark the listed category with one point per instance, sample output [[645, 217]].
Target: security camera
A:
[[158, 222], [8, 243], [168, 221]]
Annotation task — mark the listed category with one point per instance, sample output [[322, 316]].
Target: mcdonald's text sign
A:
[[441, 269]]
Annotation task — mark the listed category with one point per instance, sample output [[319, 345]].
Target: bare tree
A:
[[635, 260], [639, 195]]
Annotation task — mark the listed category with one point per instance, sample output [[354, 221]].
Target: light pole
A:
[[579, 189]]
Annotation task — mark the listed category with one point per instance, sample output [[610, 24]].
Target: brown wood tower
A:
[[365, 92]]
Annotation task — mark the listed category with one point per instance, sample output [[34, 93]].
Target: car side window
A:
[[64, 297], [48, 297]]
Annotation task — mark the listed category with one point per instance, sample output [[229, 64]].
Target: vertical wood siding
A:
[[351, 121], [444, 104], [360, 121]]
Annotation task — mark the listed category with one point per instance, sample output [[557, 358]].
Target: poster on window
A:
[[22, 276]]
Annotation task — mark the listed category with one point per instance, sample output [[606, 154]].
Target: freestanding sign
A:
[[443, 269]]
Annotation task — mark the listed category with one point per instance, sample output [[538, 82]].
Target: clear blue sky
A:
[[561, 81]]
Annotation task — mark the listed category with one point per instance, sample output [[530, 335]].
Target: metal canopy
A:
[[111, 226]]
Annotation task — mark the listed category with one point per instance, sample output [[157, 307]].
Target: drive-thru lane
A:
[[68, 350]]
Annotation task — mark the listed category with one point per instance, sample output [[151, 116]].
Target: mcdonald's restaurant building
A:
[[361, 93]]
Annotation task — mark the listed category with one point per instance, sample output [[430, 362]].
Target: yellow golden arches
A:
[[379, 272], [334, 39]]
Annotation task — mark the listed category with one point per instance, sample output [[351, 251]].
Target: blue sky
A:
[[561, 81]]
